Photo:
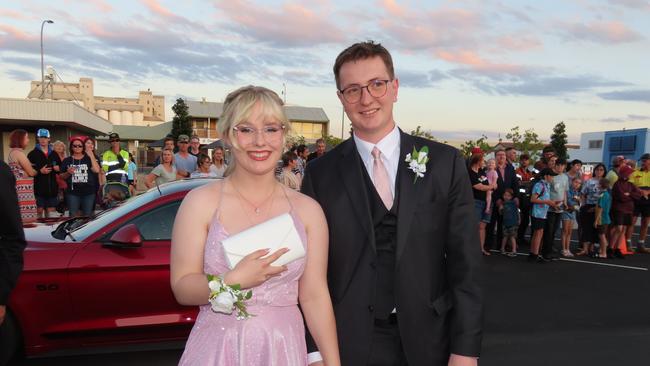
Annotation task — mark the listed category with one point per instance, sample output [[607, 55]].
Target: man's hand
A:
[[3, 311], [458, 360]]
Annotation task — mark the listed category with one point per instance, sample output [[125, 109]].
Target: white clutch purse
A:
[[278, 232]]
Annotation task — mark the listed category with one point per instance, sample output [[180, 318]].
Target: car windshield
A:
[[83, 228]]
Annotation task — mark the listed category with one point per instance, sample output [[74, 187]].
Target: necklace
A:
[[256, 208]]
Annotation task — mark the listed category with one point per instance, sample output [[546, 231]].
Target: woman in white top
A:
[[218, 166], [287, 176], [164, 172]]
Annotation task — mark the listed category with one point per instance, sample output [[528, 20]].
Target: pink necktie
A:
[[381, 180]]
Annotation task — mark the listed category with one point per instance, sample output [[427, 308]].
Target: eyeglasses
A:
[[376, 88], [77, 146], [247, 134]]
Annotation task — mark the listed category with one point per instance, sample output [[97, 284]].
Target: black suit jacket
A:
[[508, 180], [12, 237], [439, 303]]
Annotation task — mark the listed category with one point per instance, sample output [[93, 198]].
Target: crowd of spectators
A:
[[554, 194]]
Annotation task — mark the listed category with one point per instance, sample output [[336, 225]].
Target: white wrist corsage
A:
[[417, 161], [224, 298]]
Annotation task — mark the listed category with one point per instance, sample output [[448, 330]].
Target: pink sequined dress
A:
[[275, 336]]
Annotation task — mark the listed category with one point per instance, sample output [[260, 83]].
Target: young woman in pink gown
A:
[[253, 124]]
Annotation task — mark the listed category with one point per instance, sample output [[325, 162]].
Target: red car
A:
[[100, 281]]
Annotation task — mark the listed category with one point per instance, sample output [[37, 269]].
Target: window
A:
[[157, 224], [595, 144]]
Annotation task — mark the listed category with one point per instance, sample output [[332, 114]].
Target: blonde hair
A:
[[239, 105], [57, 143]]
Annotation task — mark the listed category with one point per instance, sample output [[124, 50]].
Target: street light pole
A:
[[42, 70]]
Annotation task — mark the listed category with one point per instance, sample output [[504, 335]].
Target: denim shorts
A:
[[45, 202], [479, 207], [568, 215]]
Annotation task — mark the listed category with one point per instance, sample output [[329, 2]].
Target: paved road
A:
[[567, 312]]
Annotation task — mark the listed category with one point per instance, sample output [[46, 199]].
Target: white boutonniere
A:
[[226, 299], [417, 161]]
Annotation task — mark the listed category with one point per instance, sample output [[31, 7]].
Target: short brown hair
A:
[[16, 138], [363, 51]]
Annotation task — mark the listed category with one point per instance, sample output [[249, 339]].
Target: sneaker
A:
[[642, 249], [541, 259], [503, 252], [511, 254], [618, 254]]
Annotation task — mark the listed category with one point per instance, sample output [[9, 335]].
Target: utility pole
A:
[[284, 92], [42, 69]]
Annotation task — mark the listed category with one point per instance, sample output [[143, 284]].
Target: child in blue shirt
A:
[[541, 201]]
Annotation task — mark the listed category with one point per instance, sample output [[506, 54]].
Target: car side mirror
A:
[[128, 236]]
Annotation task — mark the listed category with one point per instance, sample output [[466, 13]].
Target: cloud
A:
[[19, 75], [418, 79], [292, 25], [633, 4], [12, 14], [611, 32], [628, 118], [532, 81], [627, 95]]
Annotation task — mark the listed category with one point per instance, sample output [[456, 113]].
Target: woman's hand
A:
[[255, 269]]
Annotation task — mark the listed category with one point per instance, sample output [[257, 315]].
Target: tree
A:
[[559, 140], [422, 133], [528, 143], [467, 146], [181, 123], [296, 140], [332, 140]]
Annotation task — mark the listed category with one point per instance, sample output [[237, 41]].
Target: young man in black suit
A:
[[404, 252]]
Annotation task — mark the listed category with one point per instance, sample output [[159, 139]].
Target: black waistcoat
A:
[[385, 227]]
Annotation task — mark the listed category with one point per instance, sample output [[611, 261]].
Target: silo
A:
[[115, 117]]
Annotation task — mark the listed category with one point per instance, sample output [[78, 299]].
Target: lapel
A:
[[408, 192], [349, 168]]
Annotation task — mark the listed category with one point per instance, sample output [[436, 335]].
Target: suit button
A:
[[373, 265], [371, 308]]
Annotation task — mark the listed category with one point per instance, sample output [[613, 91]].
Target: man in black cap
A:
[[115, 163]]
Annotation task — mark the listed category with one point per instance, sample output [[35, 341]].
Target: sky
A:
[[465, 68]]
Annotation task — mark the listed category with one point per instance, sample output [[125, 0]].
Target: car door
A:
[[123, 293]]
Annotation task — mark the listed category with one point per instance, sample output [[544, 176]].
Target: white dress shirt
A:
[[389, 147]]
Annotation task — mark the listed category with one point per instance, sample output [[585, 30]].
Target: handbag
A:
[[278, 232]]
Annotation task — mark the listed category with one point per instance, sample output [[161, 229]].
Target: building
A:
[[597, 147], [146, 109], [310, 122], [64, 119]]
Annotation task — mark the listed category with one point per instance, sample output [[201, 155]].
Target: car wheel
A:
[[10, 339]]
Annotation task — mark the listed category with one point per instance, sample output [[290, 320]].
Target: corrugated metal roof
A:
[[143, 133], [63, 112], [294, 113], [204, 109], [308, 114]]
